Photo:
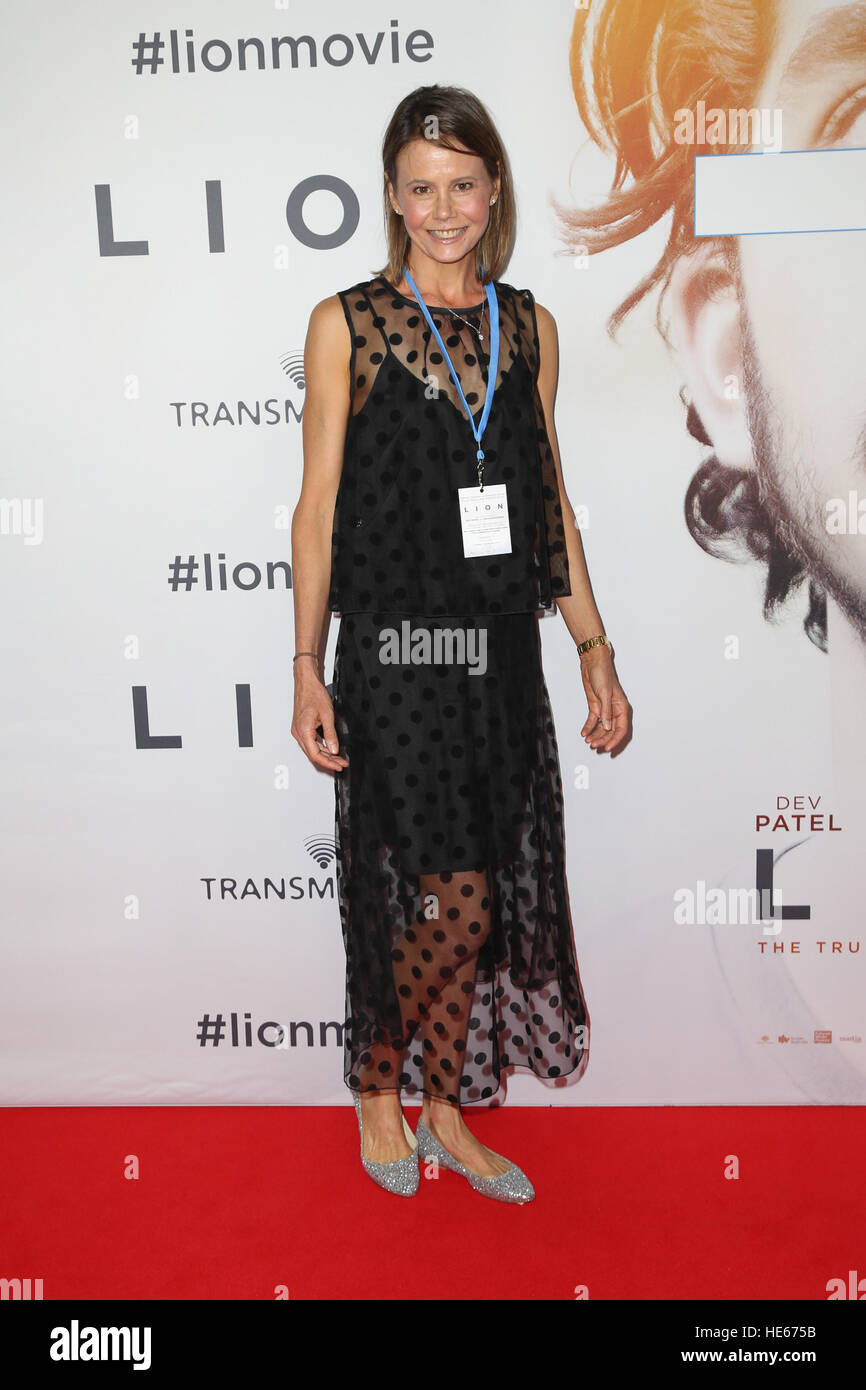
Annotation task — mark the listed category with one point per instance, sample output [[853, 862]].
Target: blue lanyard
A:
[[492, 369]]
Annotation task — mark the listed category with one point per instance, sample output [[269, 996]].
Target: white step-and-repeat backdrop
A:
[[182, 185]]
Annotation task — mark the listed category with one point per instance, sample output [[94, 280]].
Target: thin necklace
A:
[[475, 330], [472, 325]]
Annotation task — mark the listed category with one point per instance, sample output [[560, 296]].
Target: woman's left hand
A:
[[609, 722]]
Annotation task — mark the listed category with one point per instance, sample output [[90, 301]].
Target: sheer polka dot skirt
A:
[[450, 866]]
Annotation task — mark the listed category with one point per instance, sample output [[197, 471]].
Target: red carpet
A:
[[232, 1203]]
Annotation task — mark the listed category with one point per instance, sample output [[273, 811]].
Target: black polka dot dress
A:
[[460, 960]]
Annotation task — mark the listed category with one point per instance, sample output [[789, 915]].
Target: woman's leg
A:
[[379, 1068], [435, 964]]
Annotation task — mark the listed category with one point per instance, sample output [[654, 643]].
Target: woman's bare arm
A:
[[579, 611], [327, 355], [608, 723]]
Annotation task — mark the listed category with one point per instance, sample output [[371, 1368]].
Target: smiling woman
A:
[[422, 381], [447, 181]]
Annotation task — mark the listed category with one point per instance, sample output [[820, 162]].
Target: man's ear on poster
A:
[[705, 328]]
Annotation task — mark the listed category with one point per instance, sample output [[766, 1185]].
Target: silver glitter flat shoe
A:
[[511, 1186], [400, 1176]]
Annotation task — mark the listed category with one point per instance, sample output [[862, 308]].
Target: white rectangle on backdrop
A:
[[760, 193]]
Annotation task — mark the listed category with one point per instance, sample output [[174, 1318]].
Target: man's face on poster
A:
[[790, 325]]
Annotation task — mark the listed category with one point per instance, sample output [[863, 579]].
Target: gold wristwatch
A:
[[600, 641]]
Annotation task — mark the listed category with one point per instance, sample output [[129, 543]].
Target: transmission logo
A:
[[322, 848], [292, 364]]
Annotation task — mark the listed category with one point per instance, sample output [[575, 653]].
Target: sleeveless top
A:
[[397, 543]]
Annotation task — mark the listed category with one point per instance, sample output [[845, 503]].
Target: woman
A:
[[433, 519]]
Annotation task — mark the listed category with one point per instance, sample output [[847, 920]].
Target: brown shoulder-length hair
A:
[[460, 122]]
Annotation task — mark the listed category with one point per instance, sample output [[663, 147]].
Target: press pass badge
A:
[[484, 519]]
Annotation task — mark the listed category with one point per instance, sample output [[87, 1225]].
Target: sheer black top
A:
[[397, 541]]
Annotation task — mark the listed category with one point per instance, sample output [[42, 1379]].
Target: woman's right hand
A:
[[313, 709]]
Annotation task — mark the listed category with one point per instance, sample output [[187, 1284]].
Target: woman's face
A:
[[444, 198]]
